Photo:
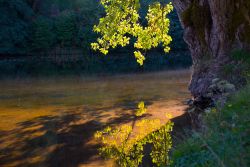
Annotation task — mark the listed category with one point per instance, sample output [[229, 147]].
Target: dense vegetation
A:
[[30, 26], [35, 25], [121, 23], [225, 141], [56, 35], [43, 37], [224, 137]]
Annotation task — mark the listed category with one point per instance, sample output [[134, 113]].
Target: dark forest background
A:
[[52, 37]]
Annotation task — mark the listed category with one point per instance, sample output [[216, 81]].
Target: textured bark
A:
[[212, 28], [36, 4]]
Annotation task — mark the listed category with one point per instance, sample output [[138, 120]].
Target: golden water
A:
[[51, 122]]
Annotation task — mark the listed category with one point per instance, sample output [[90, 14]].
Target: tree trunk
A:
[[35, 4], [212, 28]]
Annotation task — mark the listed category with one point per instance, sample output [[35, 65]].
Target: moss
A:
[[239, 18], [241, 55], [238, 71], [246, 35], [228, 69], [186, 16], [198, 17], [247, 24]]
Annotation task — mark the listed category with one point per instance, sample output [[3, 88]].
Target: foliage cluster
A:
[[66, 29], [28, 26], [43, 37], [243, 59], [69, 27], [127, 148], [36, 29], [48, 33], [225, 141], [240, 67], [14, 21], [69, 23], [122, 22]]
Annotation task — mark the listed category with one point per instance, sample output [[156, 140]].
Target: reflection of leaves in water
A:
[[162, 143], [127, 148], [141, 109]]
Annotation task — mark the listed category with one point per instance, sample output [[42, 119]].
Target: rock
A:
[[202, 102], [219, 88], [213, 86], [191, 110], [214, 81], [229, 87], [97, 123], [190, 102], [222, 82], [209, 95], [208, 110]]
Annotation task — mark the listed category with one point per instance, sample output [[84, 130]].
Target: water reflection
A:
[[52, 122], [126, 144]]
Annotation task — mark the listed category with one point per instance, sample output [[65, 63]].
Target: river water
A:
[[51, 122]]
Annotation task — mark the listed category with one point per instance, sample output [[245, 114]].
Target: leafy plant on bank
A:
[[238, 71], [225, 142], [243, 59]]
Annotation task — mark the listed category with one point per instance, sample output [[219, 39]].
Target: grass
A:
[[226, 140]]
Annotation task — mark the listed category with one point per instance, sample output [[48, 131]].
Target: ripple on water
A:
[[52, 122]]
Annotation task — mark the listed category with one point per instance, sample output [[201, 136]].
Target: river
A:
[[51, 122]]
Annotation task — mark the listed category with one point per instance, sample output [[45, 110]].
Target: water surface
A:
[[51, 122]]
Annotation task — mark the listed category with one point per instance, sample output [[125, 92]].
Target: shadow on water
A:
[[52, 124], [62, 140]]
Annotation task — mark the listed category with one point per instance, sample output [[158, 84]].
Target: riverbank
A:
[[224, 141], [90, 65]]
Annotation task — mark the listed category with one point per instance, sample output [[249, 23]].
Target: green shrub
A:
[[243, 59], [15, 23], [241, 55], [225, 141], [43, 36], [66, 29]]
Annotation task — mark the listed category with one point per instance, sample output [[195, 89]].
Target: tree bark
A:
[[35, 4], [212, 29]]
